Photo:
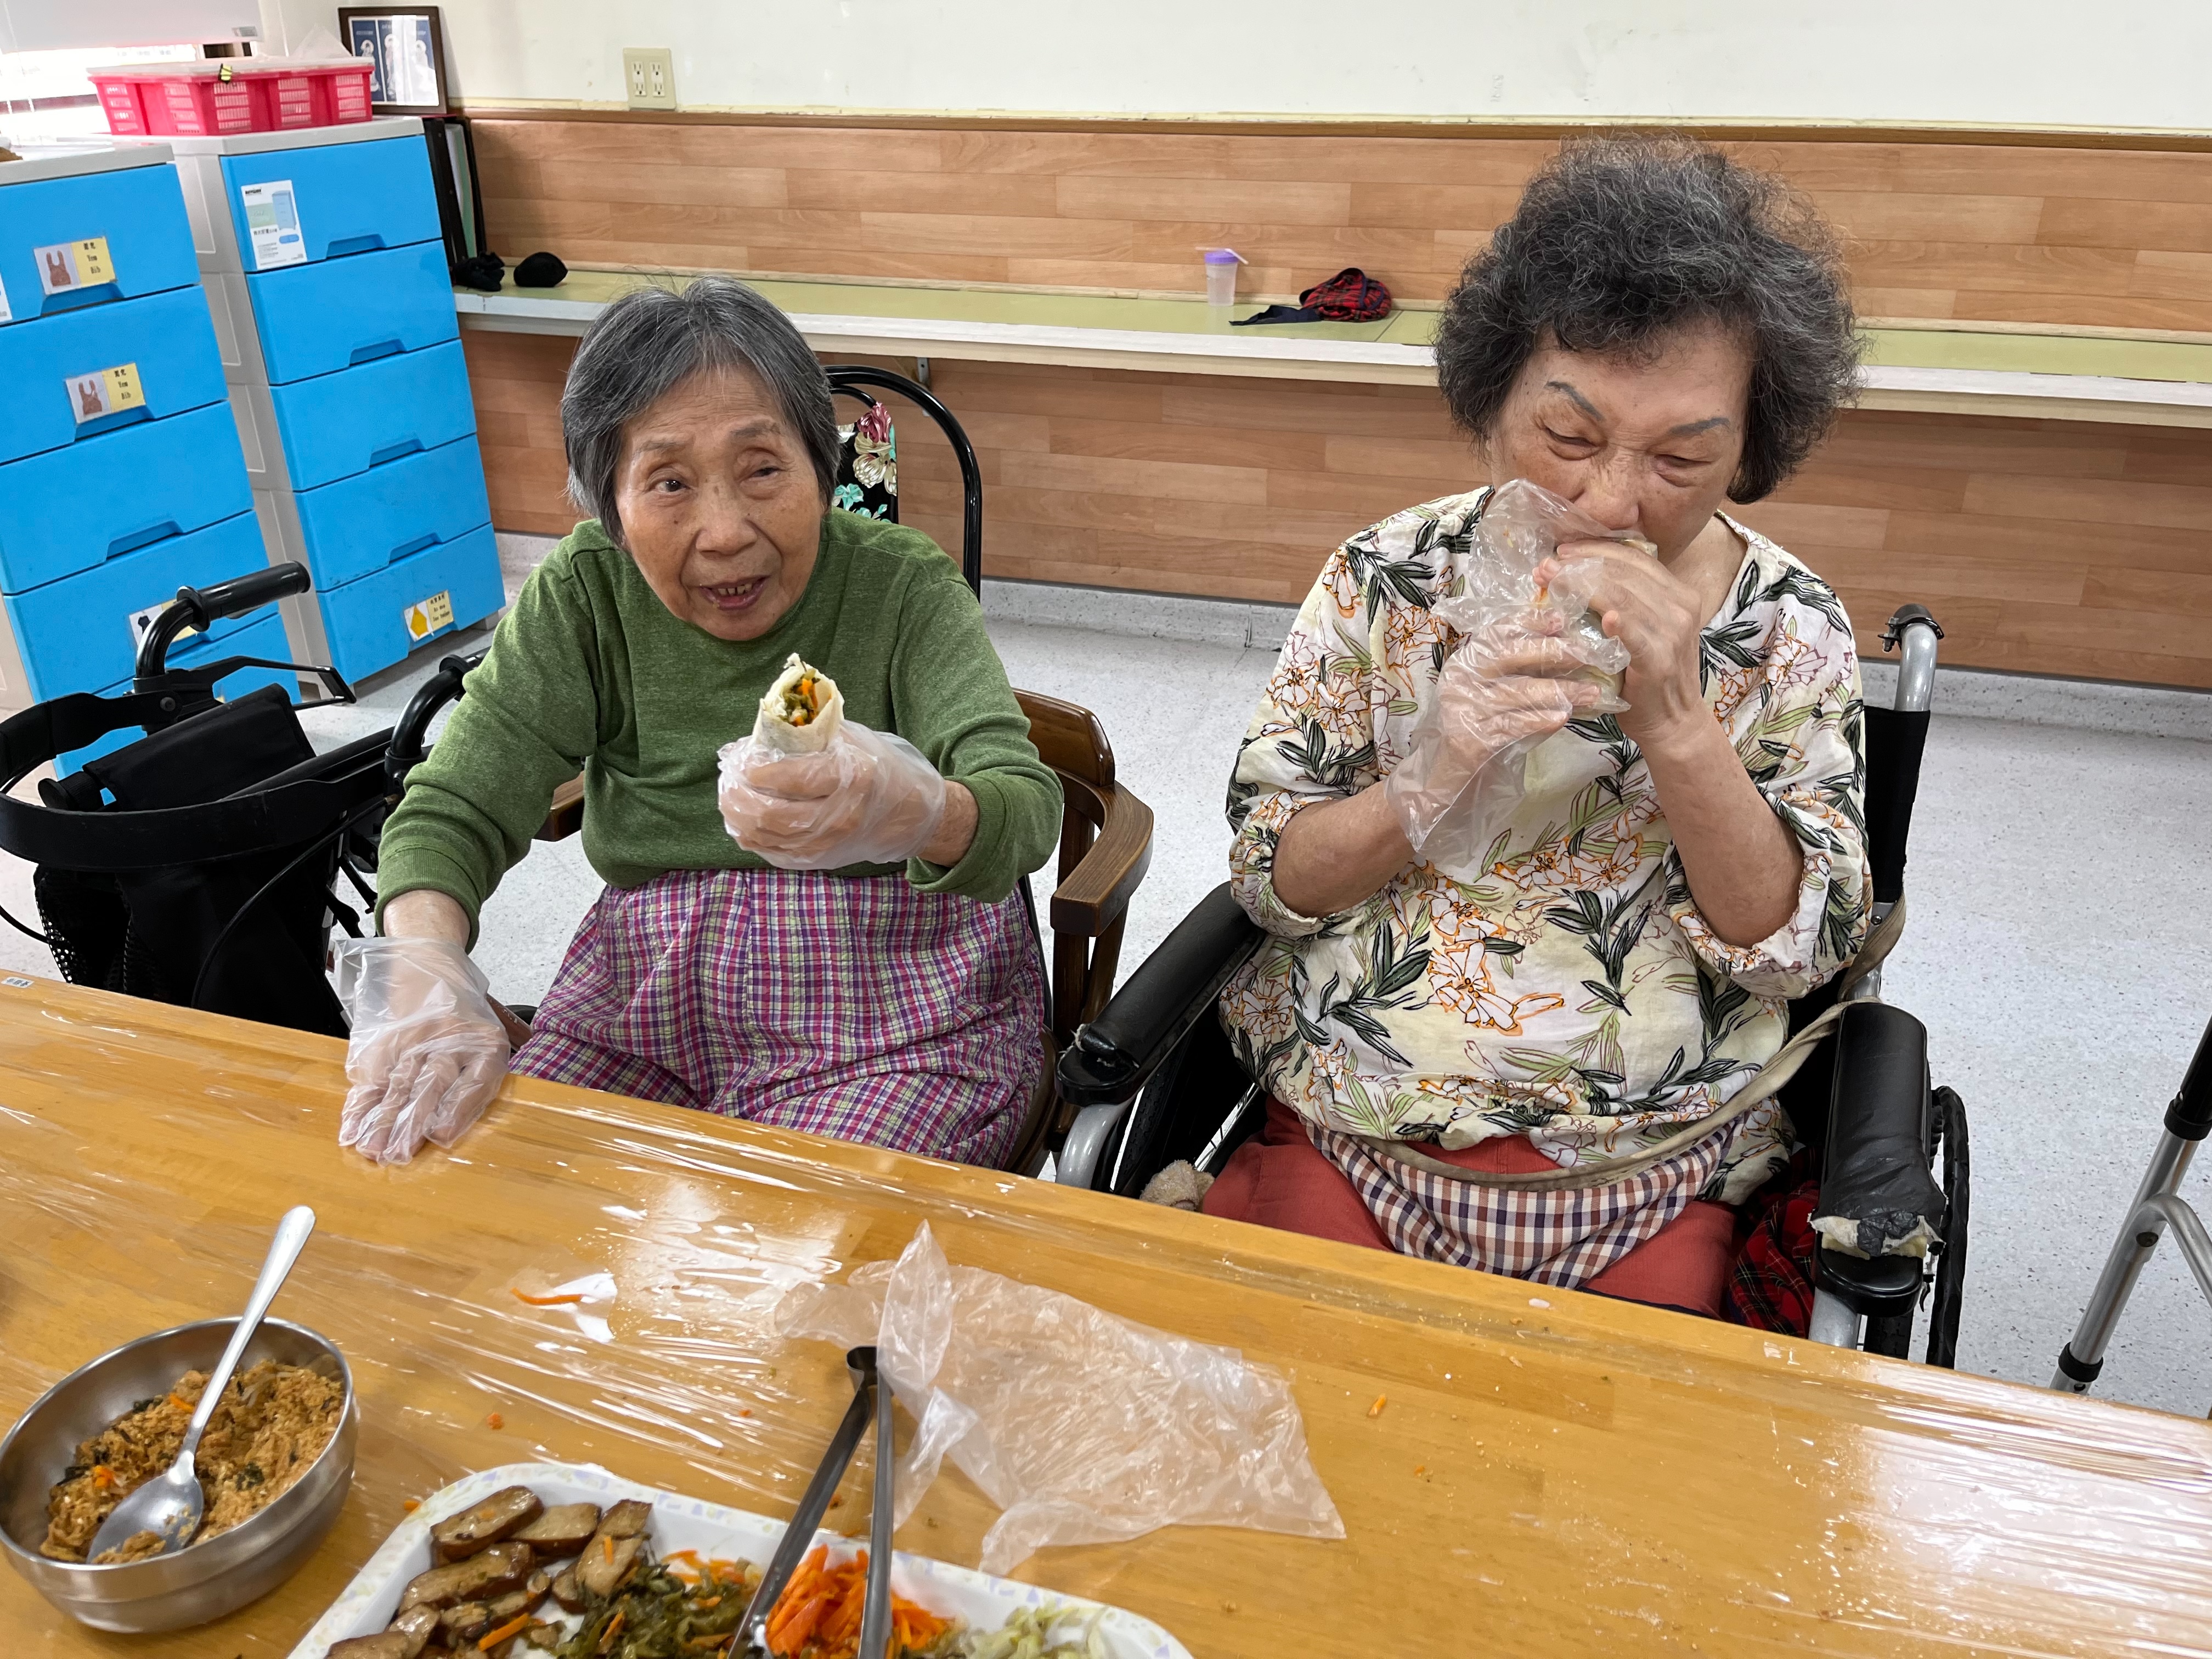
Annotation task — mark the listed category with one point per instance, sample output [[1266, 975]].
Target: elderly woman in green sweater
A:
[[832, 942]]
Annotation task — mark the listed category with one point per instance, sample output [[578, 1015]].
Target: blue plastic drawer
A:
[[133, 220], [319, 319], [160, 351], [364, 523], [69, 509], [374, 623], [78, 634], [337, 425], [344, 199], [262, 636]]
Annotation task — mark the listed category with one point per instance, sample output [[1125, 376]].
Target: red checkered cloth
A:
[[1561, 1237], [1770, 1286], [857, 1007]]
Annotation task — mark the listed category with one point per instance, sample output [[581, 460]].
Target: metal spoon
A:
[[171, 1504]]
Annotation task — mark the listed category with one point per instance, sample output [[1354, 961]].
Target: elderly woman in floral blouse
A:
[[1655, 332]]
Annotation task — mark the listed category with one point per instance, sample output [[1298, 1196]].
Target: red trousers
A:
[[1279, 1179]]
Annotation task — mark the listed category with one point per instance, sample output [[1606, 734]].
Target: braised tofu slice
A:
[[543, 1636], [385, 1644], [561, 1531], [506, 1606], [482, 1525], [607, 1563], [627, 1519], [487, 1573], [566, 1592], [465, 1622], [419, 1622]]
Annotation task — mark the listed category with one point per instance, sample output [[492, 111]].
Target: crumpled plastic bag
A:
[[1451, 812], [1082, 1427]]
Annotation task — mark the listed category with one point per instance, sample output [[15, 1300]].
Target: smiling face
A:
[[720, 504], [1646, 444]]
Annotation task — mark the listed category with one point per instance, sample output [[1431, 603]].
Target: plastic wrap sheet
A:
[[1520, 1474], [1082, 1427]]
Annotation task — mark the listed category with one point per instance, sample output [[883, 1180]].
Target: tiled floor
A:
[[2060, 951]]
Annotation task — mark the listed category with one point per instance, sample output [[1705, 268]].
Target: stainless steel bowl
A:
[[204, 1581]]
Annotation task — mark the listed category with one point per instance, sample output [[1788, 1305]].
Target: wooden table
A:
[[1585, 1476]]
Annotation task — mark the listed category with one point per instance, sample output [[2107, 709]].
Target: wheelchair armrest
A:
[[1113, 1055], [1877, 1196]]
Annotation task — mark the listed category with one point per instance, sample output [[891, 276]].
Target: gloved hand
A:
[[428, 1051], [1498, 696], [869, 798]]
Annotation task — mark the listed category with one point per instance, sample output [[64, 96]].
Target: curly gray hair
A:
[[647, 342], [1619, 240]]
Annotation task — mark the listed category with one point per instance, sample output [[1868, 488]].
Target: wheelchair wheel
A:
[[1890, 1335]]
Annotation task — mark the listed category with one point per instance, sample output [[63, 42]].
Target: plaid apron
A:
[[1564, 1236], [855, 1008]]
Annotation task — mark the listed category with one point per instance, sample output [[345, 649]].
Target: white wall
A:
[[2013, 61]]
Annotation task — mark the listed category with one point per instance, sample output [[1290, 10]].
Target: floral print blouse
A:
[[1573, 993]]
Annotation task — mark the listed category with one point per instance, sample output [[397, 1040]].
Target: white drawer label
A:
[[272, 220], [426, 616], [66, 265], [104, 391]]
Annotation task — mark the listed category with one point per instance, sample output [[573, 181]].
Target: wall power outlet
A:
[[649, 78]]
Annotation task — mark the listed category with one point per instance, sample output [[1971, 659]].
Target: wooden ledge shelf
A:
[[2027, 376]]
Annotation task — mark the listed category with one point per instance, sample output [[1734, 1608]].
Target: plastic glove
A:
[[869, 798], [1462, 775], [428, 1051]]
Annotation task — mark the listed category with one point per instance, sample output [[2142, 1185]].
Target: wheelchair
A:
[[1155, 1081]]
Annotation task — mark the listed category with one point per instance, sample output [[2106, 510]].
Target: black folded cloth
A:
[[1350, 297], [482, 273]]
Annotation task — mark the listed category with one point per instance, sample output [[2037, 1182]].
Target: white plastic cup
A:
[[1221, 265]]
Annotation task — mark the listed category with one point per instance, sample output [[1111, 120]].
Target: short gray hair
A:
[[649, 342], [1619, 240]]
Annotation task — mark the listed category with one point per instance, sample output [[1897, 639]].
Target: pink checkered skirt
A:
[[1564, 1238], [857, 1007]]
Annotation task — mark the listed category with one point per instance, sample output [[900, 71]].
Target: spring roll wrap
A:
[[801, 713]]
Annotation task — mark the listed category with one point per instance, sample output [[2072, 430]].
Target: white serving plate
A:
[[366, 1604]]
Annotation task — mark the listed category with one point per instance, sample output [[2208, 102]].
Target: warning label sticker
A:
[[427, 616]]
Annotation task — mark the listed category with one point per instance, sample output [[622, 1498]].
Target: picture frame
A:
[[406, 49]]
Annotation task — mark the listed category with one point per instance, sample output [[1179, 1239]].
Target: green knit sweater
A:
[[590, 670]]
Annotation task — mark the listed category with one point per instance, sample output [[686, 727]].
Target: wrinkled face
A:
[[719, 505], [1642, 444]]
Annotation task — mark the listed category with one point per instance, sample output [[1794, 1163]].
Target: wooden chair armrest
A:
[[1097, 891], [566, 816]]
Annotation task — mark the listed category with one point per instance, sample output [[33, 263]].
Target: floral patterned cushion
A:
[[867, 466]]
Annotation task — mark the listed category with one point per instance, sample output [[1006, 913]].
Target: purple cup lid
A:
[[1224, 255]]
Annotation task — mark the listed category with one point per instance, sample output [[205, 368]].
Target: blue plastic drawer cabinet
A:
[[82, 632], [65, 243], [262, 636], [319, 319], [374, 519], [84, 372], [295, 206], [69, 509], [375, 622], [335, 425]]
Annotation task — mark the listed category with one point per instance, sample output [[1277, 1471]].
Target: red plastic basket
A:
[[197, 101]]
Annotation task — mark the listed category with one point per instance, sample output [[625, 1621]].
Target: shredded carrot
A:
[[820, 1611], [102, 1476], [494, 1420], [561, 1301], [514, 1626], [1381, 1401], [607, 1547], [410, 1504], [181, 1405], [607, 1636]]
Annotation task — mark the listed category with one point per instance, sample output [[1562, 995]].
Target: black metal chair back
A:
[[853, 379]]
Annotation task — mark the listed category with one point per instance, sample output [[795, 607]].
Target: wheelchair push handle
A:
[[200, 608], [407, 748]]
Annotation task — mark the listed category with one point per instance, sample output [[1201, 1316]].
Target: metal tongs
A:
[[869, 1394]]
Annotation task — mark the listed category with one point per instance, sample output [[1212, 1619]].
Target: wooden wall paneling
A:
[[2079, 235]]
